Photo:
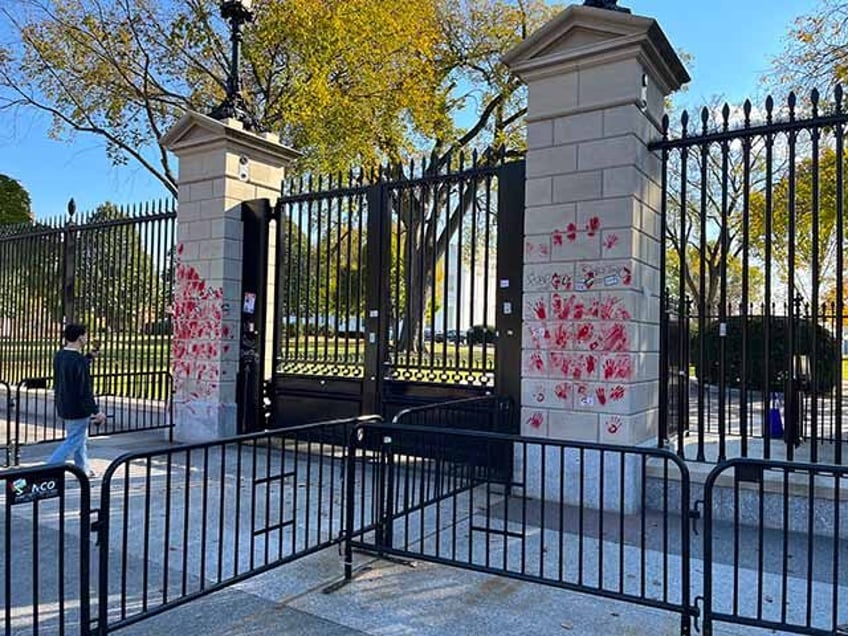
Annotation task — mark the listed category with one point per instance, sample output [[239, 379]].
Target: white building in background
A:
[[458, 302]]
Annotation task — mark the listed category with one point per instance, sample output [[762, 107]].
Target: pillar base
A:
[[203, 421]]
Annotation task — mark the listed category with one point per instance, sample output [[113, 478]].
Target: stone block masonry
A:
[[596, 82], [220, 167]]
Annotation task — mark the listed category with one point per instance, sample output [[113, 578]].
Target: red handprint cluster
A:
[[198, 330]]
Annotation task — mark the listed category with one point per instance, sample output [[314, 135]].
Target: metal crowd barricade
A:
[[7, 420], [45, 564], [571, 515], [781, 563], [205, 516]]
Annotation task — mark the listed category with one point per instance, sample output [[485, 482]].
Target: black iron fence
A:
[[111, 269], [753, 258], [780, 561], [133, 402], [45, 564]]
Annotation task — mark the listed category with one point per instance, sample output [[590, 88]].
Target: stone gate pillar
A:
[[596, 82], [221, 165]]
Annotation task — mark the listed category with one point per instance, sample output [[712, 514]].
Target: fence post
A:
[[376, 297], [69, 245], [591, 302], [509, 291], [221, 165]]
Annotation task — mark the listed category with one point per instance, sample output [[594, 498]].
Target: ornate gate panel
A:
[[397, 288]]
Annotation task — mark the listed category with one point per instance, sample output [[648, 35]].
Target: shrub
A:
[[478, 334], [157, 328], [827, 356]]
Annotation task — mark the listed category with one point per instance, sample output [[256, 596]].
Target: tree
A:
[[113, 273], [344, 81], [706, 234], [805, 219], [15, 204], [816, 51]]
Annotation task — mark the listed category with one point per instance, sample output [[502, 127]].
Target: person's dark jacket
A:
[[73, 391]]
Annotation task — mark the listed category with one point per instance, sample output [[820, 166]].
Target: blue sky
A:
[[733, 42]]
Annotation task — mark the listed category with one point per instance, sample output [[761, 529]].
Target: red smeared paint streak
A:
[[612, 308], [615, 338]]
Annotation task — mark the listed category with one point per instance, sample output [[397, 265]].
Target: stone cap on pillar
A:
[[196, 132], [581, 38]]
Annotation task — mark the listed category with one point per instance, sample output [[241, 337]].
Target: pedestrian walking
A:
[[74, 399]]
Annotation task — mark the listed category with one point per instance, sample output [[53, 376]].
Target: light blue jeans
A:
[[76, 442]]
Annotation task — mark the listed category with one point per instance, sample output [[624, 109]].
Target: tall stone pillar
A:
[[596, 83], [221, 165]]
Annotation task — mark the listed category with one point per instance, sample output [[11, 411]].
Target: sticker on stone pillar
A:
[[249, 306]]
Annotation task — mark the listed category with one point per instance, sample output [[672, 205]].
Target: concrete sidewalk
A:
[[386, 598]]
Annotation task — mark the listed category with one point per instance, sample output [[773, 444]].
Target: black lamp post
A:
[[610, 5], [238, 13]]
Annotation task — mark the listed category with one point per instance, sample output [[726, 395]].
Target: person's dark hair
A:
[[73, 332]]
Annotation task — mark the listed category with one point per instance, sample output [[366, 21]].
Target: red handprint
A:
[[540, 310], [536, 420], [556, 237]]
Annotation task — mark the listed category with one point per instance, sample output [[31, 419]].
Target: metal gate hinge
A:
[[695, 514], [699, 601]]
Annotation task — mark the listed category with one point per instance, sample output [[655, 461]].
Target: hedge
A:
[[828, 356]]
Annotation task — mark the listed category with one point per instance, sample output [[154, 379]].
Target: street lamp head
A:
[[610, 5], [240, 11]]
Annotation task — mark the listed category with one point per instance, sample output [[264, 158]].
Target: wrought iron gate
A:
[[396, 288]]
